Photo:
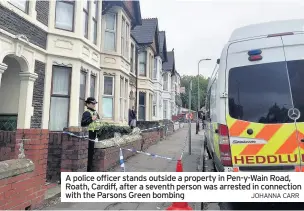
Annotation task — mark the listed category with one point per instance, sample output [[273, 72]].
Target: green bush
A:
[[107, 131]]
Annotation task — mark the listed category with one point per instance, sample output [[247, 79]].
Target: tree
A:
[[203, 84]]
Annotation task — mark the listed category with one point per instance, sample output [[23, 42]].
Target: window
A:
[[142, 63], [86, 6], [132, 58], [65, 15], [166, 82], [154, 104], [123, 36], [110, 32], [142, 106], [95, 18], [150, 107], [155, 69], [259, 93], [127, 40], [295, 70], [108, 97], [126, 99], [82, 93], [20, 4], [150, 66], [165, 109], [60, 98], [121, 98], [93, 85]]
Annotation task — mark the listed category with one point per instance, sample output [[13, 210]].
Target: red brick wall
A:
[[74, 157], [27, 189], [19, 192], [150, 138], [105, 159], [54, 157], [7, 145]]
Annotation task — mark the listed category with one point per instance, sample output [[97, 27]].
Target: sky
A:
[[199, 29]]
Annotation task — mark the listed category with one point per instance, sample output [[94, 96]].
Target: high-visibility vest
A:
[[95, 125]]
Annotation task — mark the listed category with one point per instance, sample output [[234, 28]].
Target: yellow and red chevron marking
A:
[[282, 142]]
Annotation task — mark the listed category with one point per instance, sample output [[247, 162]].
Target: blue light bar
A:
[[254, 52]]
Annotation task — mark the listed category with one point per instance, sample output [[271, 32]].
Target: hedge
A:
[[107, 131]]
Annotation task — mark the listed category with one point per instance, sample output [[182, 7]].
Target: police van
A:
[[255, 100]]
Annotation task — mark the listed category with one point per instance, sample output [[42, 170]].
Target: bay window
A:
[[110, 32], [60, 98], [108, 97], [64, 18]]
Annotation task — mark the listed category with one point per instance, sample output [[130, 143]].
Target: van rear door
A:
[[262, 136], [294, 53]]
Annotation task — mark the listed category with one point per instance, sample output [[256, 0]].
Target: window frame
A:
[[127, 47], [132, 69], [111, 31], [86, 12], [95, 80], [85, 74], [27, 6], [121, 99], [73, 22], [166, 82], [142, 106], [61, 96], [112, 96], [126, 98], [143, 63], [123, 36], [95, 22], [155, 69], [154, 104]]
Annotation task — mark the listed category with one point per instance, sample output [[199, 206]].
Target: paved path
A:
[[173, 146]]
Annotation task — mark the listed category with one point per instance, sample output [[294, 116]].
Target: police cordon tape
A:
[[121, 158]]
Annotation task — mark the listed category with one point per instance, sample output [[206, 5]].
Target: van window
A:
[[296, 75], [259, 93]]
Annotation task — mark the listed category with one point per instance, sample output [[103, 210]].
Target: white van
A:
[[255, 101]]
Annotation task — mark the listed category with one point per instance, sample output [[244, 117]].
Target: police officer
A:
[[91, 120]]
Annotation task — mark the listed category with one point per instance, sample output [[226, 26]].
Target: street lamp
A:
[[198, 98]]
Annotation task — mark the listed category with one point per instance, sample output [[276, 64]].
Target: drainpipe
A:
[[136, 73]]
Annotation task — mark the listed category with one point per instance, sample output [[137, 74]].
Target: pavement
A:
[[172, 146]]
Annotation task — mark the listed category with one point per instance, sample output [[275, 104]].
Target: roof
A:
[[132, 8], [170, 64], [266, 28], [145, 33], [163, 45]]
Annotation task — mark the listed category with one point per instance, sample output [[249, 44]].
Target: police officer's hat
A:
[[91, 100]]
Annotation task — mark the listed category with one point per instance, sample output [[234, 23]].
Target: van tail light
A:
[[224, 145]]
